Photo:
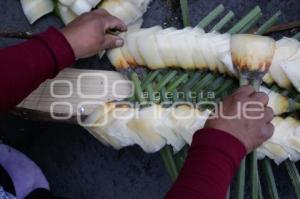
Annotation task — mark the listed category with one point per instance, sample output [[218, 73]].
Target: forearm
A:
[[25, 66], [211, 163]]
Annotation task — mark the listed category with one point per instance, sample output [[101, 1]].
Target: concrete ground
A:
[[77, 165]]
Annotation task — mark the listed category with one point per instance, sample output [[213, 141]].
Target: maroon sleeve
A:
[[25, 66], [212, 161]]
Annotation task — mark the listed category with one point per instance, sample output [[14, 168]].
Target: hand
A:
[[88, 33], [251, 132]]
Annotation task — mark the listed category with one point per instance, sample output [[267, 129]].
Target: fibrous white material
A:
[[191, 48]]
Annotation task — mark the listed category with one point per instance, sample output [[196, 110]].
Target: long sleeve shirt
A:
[[214, 155]]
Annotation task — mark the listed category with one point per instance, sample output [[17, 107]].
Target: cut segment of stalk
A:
[[137, 87], [203, 82], [177, 82], [223, 21], [270, 179], [166, 79], [185, 12], [149, 78], [252, 23], [216, 84], [227, 84], [191, 82], [211, 16], [167, 157], [294, 175], [241, 180], [268, 24], [245, 20], [297, 36], [254, 175], [180, 158], [260, 194]]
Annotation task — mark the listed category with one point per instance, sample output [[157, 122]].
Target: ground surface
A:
[[78, 166]]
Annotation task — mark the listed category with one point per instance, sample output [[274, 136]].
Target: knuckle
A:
[[247, 89], [263, 96], [269, 111], [237, 97]]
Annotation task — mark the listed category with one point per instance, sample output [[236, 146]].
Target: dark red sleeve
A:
[[212, 161], [25, 66]]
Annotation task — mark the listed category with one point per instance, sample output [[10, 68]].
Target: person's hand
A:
[[88, 34], [251, 122]]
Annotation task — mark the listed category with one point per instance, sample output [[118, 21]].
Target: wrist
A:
[[71, 41]]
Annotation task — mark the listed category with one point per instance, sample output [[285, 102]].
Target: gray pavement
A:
[[77, 165]]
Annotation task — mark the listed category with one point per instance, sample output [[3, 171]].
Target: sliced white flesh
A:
[[268, 79], [141, 4], [136, 25], [252, 52], [35, 9], [294, 140], [144, 127], [134, 13], [148, 48], [118, 130], [164, 127], [292, 70], [66, 14], [126, 53], [186, 121], [132, 42], [220, 43], [123, 10], [285, 131], [278, 102], [117, 58], [81, 6], [206, 50], [191, 39], [273, 146], [181, 49], [94, 3], [164, 47], [96, 121], [67, 3], [285, 48]]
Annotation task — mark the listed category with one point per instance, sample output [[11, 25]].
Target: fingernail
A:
[[119, 43]]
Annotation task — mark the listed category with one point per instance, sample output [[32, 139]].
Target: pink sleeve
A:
[[212, 161], [25, 66]]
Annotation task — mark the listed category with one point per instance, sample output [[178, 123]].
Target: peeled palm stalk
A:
[[279, 103], [151, 128], [252, 53], [291, 69], [66, 14], [130, 11], [252, 57], [285, 142], [35, 9], [67, 3], [191, 48], [81, 6], [285, 48]]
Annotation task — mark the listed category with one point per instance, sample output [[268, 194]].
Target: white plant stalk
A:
[[66, 14], [35, 9], [190, 48], [81, 6], [153, 127]]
